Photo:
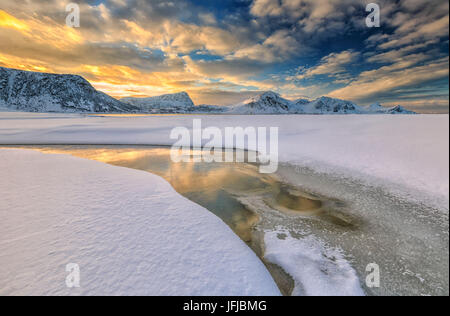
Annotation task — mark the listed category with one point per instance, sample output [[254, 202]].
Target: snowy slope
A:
[[300, 102], [129, 232], [178, 102], [377, 108], [398, 109], [41, 92], [265, 103], [207, 109], [326, 105]]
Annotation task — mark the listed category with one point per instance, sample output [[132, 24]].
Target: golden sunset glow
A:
[[160, 47], [8, 21]]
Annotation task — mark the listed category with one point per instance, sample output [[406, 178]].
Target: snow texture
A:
[[317, 270], [129, 232]]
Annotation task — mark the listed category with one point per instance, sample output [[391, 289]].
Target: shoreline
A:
[[144, 239], [363, 147]]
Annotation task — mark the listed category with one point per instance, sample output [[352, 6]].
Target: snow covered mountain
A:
[[209, 109], [42, 92], [398, 109], [377, 108], [266, 103], [170, 103], [326, 105], [273, 103], [180, 103], [301, 102]]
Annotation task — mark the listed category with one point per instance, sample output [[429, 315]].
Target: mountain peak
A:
[[327, 105], [180, 101], [44, 92], [398, 109], [268, 102], [302, 101], [269, 94], [377, 108], [266, 95]]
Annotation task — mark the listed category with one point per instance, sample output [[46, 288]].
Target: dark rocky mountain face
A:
[[330, 105], [41, 92]]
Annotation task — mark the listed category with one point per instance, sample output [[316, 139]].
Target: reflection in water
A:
[[215, 186], [236, 192], [409, 241]]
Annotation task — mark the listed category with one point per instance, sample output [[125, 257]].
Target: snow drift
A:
[[128, 231]]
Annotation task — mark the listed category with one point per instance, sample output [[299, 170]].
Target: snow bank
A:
[[129, 232], [317, 270], [404, 153]]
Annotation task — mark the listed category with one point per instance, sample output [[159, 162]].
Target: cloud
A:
[[187, 38], [9, 21], [413, 21], [386, 79], [230, 69], [332, 65], [311, 16], [279, 46], [434, 106], [207, 18], [220, 97], [147, 47]]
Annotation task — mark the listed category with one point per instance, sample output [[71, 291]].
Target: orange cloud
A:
[[9, 61], [9, 21]]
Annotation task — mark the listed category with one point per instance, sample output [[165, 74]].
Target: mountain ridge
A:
[[44, 92], [180, 100], [272, 103]]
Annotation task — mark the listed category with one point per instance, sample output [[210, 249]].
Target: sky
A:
[[224, 51]]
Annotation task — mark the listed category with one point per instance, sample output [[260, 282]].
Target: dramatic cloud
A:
[[332, 65], [389, 78], [224, 51]]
